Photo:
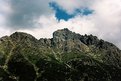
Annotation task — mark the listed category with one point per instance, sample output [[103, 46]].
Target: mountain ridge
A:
[[67, 56]]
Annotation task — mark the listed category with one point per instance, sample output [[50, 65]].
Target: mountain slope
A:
[[65, 57]]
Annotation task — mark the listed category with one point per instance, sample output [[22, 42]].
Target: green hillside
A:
[[67, 56]]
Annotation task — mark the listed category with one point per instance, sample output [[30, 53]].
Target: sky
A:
[[41, 18]]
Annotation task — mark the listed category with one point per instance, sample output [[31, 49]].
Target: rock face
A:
[[68, 41], [65, 57]]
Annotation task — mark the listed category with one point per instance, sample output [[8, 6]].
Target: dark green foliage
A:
[[51, 71], [20, 67], [65, 57], [4, 76], [2, 59], [84, 71]]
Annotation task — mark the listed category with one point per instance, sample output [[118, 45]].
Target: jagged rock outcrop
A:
[[65, 57], [68, 41]]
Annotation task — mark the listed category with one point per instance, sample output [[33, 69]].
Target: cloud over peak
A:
[[37, 17]]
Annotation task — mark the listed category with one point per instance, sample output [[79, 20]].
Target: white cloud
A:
[[4, 32], [105, 22], [24, 14], [50, 24], [107, 19]]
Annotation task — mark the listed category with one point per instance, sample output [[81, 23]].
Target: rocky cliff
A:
[[67, 56]]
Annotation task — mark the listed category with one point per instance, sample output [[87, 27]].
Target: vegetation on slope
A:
[[65, 57]]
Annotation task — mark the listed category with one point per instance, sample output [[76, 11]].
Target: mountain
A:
[[67, 56]]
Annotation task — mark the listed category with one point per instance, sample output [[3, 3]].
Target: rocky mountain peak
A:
[[21, 36], [65, 57], [68, 41], [4, 38], [63, 34]]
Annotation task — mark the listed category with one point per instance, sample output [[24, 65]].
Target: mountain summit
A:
[[67, 56], [64, 34]]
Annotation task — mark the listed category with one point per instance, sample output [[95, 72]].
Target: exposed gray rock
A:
[[65, 57]]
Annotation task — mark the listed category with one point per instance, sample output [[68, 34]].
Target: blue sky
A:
[[42, 17], [61, 14]]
